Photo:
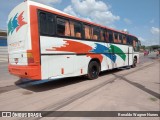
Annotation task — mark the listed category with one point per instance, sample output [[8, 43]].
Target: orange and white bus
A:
[[45, 43]]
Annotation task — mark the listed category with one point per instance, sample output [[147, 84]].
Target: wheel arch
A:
[[97, 60]]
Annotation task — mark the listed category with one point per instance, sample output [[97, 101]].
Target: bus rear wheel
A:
[[93, 70]]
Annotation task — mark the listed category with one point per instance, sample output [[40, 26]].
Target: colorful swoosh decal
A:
[[77, 47], [105, 51], [16, 23], [80, 48]]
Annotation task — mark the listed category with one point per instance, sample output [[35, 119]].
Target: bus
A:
[[45, 43]]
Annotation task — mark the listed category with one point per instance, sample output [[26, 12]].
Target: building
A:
[[3, 37]]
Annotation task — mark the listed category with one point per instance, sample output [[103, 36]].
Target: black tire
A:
[[134, 63], [93, 70]]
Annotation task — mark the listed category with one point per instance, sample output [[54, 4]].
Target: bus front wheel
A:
[[93, 70], [134, 63]]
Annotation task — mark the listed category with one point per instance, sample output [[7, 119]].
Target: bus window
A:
[[138, 45], [72, 29], [115, 38], [129, 40], [87, 32], [124, 39], [76, 29], [43, 23], [134, 43], [110, 37], [106, 36], [103, 35], [63, 28], [120, 38], [46, 23], [95, 33]]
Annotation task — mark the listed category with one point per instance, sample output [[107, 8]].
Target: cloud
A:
[[85, 7], [155, 35], [93, 10], [70, 11], [149, 41], [155, 31], [47, 2], [149, 36], [127, 21], [141, 39]]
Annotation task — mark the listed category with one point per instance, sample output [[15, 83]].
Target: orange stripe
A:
[[35, 38]]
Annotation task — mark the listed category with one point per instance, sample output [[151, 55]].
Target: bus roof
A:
[[56, 11]]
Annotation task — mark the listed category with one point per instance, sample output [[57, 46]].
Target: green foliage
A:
[[143, 47], [153, 47]]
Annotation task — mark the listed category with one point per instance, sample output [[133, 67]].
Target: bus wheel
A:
[[134, 63], [93, 70]]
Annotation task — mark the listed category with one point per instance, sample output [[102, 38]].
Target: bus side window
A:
[[43, 23], [124, 39], [87, 31], [134, 44], [103, 35], [120, 38], [129, 40], [63, 28], [46, 24], [106, 36], [115, 38], [76, 29], [110, 37], [95, 33], [72, 29]]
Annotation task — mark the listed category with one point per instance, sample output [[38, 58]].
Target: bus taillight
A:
[[30, 58]]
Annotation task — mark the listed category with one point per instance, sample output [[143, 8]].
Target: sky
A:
[[139, 17]]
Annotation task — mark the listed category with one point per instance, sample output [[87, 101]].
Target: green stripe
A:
[[115, 49]]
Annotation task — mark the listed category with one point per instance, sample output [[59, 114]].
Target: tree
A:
[[143, 47]]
